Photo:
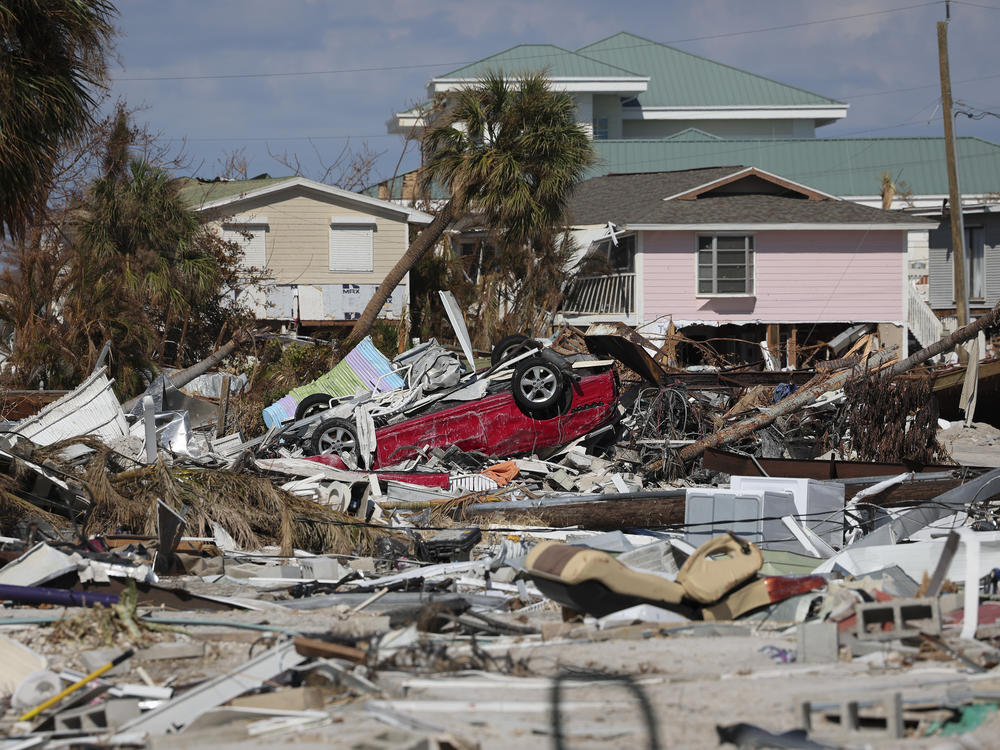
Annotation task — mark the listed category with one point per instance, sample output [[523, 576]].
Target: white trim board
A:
[[411, 214], [590, 84], [810, 112]]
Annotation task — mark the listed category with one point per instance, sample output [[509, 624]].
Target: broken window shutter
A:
[[351, 247], [991, 263], [940, 287]]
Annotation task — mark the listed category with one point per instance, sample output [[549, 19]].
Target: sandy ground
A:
[[692, 681], [976, 445]]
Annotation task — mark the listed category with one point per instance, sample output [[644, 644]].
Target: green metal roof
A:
[[681, 79], [558, 62], [839, 166], [197, 193]]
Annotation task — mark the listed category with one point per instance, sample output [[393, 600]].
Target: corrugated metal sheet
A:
[[558, 62], [364, 368], [681, 79], [89, 409], [839, 166]]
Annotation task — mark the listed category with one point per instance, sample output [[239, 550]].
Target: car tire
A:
[[336, 436], [537, 386], [511, 346], [312, 404]]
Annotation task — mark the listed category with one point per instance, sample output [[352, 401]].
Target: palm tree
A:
[[52, 58], [509, 150]]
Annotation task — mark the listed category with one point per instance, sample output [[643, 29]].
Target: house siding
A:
[[941, 264], [298, 236], [801, 276]]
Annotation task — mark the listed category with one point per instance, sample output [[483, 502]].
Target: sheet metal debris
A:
[[418, 552]]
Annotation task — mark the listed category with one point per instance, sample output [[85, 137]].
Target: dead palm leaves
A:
[[249, 507]]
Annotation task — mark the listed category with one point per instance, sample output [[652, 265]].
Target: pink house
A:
[[737, 253]]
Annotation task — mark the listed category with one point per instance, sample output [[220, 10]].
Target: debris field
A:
[[574, 544]]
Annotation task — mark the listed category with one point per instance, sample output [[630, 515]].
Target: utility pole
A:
[[954, 196]]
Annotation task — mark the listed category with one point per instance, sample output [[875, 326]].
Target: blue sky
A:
[[237, 65]]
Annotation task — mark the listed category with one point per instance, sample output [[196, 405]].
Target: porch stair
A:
[[923, 324]]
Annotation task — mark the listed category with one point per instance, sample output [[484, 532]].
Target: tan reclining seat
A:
[[572, 565], [707, 580], [701, 578]]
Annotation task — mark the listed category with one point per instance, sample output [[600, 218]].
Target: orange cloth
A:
[[502, 473]]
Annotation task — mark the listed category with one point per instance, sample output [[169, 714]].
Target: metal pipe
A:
[[65, 597]]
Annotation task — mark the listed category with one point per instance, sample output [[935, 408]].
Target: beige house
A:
[[325, 250]]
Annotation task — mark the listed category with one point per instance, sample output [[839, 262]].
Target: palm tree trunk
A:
[[424, 241], [180, 346]]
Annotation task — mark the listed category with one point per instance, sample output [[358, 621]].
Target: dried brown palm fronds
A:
[[250, 508], [14, 509]]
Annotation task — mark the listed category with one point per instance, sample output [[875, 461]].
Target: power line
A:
[[918, 88], [391, 135], [388, 68], [976, 5]]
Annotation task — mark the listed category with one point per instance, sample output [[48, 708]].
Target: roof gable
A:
[[692, 134], [751, 181], [558, 62], [206, 196], [683, 79]]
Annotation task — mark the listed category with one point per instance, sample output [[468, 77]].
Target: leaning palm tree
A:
[[510, 150], [52, 59]]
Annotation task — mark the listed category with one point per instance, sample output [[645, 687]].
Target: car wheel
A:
[[537, 385], [337, 436], [312, 404], [511, 346]]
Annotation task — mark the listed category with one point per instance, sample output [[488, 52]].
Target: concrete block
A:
[[908, 618], [818, 643], [578, 460], [851, 717], [107, 715], [561, 480]]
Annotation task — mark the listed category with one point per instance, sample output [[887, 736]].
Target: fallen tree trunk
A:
[[949, 342], [182, 377], [810, 392], [185, 376]]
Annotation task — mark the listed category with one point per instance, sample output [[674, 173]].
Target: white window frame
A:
[[350, 223], [750, 261]]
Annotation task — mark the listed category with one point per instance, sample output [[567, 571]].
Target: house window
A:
[[251, 238], [977, 263], [725, 264], [352, 246], [600, 127], [606, 258]]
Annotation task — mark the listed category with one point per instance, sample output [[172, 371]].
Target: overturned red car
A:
[[549, 401]]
